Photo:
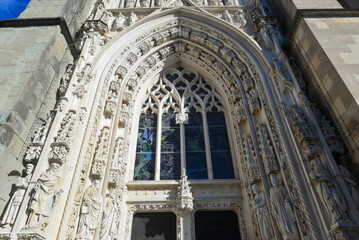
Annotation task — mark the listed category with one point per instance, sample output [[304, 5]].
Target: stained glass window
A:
[[170, 147], [220, 150], [196, 165], [192, 129], [146, 147]]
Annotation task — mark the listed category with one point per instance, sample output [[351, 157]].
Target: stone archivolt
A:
[[108, 82]]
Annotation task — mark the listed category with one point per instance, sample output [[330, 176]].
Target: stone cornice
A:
[[40, 22], [317, 13]]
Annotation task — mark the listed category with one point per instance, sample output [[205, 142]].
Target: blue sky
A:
[[12, 8]]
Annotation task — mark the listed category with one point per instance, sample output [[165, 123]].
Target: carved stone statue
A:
[[282, 210], [90, 211], [329, 193], [184, 194], [260, 205], [350, 181], [15, 202], [44, 197], [108, 227]]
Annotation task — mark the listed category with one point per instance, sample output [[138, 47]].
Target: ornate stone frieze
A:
[[65, 80], [35, 147], [280, 73], [333, 140], [240, 116], [65, 132], [251, 160], [303, 131], [253, 101], [266, 150], [100, 158]]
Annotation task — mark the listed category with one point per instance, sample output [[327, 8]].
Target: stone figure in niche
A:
[[45, 194], [349, 180], [15, 202], [282, 210], [260, 204], [108, 227], [329, 193], [90, 211]]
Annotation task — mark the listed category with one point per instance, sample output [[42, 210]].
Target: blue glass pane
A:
[[196, 165], [218, 138], [170, 141], [146, 147], [222, 164], [170, 148], [215, 118], [170, 166], [194, 119], [146, 140], [144, 166], [194, 139], [220, 149]]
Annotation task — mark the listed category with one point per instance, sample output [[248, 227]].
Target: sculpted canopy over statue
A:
[[260, 205], [282, 210], [108, 228], [90, 211], [350, 181], [329, 192], [44, 197], [15, 202]]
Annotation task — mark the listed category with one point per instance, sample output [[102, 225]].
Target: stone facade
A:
[[76, 80]]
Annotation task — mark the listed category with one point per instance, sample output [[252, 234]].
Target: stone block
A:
[[12, 119]]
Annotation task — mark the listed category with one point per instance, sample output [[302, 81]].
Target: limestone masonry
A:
[[180, 120]]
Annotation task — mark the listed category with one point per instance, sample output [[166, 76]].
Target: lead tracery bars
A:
[[187, 114]]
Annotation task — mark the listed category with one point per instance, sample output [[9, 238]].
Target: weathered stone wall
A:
[[32, 62], [330, 47], [74, 12]]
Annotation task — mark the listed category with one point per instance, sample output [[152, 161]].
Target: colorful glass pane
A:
[[146, 147], [222, 164], [170, 166], [196, 165], [195, 148], [144, 166], [170, 147], [220, 149]]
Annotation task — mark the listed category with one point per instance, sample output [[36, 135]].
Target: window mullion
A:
[[207, 146], [158, 144], [183, 146]]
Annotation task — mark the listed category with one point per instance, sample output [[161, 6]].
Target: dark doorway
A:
[[154, 226], [217, 225]]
